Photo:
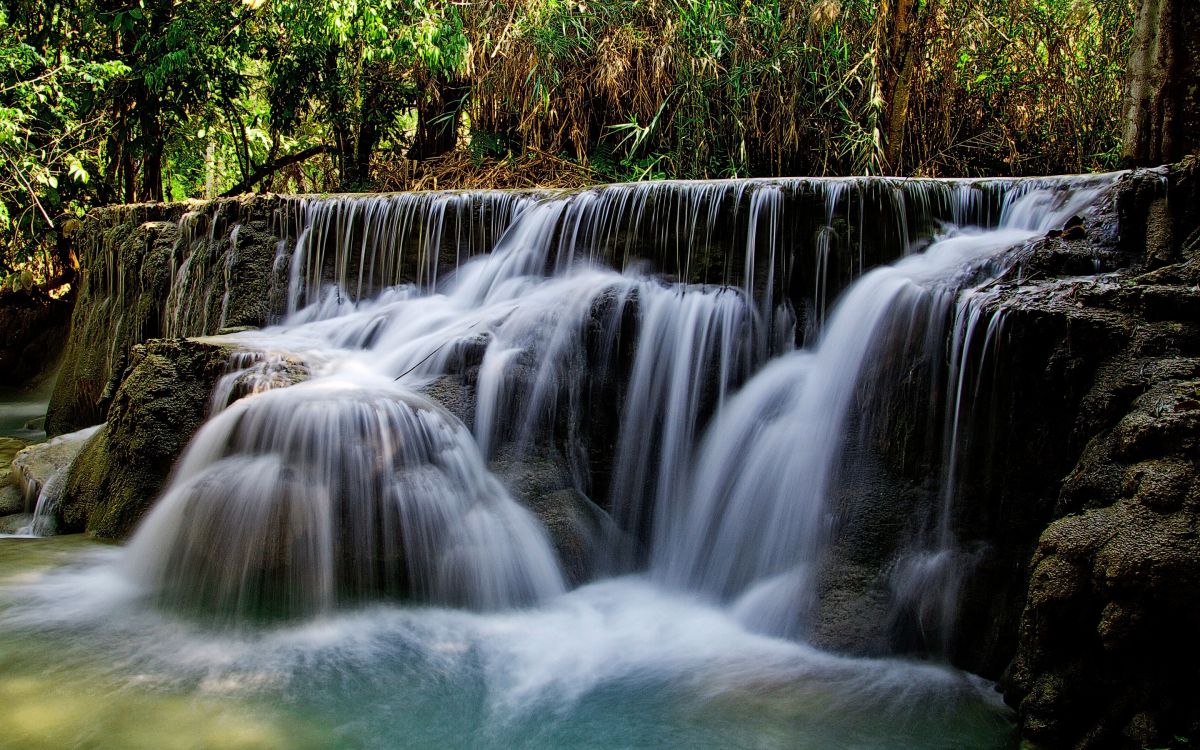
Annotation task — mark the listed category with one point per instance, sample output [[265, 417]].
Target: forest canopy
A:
[[111, 102]]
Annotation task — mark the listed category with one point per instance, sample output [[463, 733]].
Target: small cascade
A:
[[195, 246], [363, 244], [293, 500], [693, 347], [41, 474], [927, 580]]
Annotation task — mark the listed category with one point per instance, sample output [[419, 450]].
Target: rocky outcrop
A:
[[40, 473], [158, 406], [154, 270], [1106, 653]]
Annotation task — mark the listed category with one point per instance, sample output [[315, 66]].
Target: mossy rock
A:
[[132, 289], [160, 404]]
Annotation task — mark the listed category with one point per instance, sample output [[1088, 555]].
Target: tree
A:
[[184, 57], [50, 137], [1162, 111], [363, 65]]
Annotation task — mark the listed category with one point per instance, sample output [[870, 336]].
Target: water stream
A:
[[346, 563]]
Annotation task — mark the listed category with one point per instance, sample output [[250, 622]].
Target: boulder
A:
[[40, 472], [159, 405], [539, 478], [11, 498]]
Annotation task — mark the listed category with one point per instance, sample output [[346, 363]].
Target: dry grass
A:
[[462, 171], [731, 87]]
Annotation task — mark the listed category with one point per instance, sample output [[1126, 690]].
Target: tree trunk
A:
[[901, 50], [153, 146], [1162, 110], [152, 169], [364, 146]]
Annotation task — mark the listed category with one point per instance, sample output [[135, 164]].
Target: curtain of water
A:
[[653, 324]]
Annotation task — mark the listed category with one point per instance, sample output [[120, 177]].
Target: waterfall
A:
[[294, 499], [757, 520], [646, 334], [651, 465]]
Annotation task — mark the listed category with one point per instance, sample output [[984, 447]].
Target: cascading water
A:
[[645, 335], [294, 499], [756, 525]]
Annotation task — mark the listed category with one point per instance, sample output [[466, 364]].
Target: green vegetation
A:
[[123, 101]]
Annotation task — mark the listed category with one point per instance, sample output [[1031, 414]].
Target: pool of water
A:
[[616, 664]]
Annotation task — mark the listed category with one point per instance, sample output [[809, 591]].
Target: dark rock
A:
[[1106, 654], [539, 477]]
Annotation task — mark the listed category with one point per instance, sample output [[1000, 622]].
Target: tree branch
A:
[[272, 167]]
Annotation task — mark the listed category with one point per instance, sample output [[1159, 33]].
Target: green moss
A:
[[159, 406]]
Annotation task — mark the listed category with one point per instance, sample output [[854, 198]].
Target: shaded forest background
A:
[[104, 101]]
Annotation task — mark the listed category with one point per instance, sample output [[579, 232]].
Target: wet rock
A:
[[1107, 655], [159, 405], [540, 480], [453, 392], [13, 524], [39, 467], [11, 499], [144, 278], [123, 279]]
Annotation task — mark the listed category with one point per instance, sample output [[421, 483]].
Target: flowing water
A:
[[347, 563]]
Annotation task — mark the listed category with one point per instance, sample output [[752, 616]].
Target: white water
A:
[[755, 523], [316, 502], [619, 663]]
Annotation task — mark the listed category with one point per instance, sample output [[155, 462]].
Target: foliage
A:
[[732, 88], [48, 137], [125, 100]]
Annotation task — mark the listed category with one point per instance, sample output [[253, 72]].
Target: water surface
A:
[[621, 663]]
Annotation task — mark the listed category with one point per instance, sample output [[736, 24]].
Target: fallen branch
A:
[[271, 168]]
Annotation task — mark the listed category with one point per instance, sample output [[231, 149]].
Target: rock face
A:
[[155, 270], [160, 404], [1106, 654], [540, 479]]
